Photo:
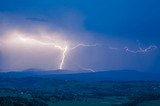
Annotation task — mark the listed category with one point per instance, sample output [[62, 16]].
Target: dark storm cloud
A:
[[108, 22]]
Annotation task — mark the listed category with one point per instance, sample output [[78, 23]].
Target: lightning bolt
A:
[[86, 69], [63, 57], [114, 48], [84, 45], [64, 49], [67, 49], [139, 50]]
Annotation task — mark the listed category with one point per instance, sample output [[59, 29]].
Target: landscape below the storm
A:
[[54, 88]]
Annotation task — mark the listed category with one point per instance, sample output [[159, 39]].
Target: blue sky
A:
[[119, 20]]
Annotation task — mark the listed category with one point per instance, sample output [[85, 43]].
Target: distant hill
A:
[[117, 75]]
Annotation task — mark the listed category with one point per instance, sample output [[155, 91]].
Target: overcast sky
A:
[[124, 29]]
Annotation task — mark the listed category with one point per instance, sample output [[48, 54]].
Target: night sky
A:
[[123, 30]]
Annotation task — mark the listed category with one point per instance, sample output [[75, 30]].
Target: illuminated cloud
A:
[[64, 43]]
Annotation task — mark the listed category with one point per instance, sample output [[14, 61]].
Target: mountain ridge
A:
[[113, 75]]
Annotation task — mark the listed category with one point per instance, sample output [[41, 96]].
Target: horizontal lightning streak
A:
[[86, 69], [83, 45], [113, 48], [42, 43], [140, 50]]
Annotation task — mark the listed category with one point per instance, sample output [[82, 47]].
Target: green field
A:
[[35, 91]]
